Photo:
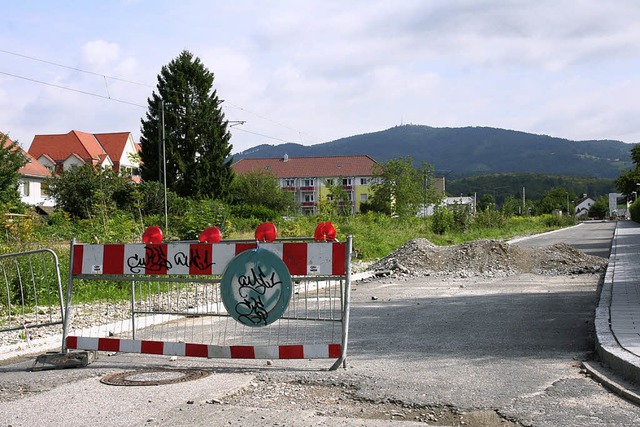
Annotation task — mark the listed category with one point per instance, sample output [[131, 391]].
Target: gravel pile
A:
[[488, 258]]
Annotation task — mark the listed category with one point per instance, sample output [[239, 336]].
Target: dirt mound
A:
[[491, 258]]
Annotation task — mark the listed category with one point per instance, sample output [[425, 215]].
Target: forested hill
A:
[[457, 152]]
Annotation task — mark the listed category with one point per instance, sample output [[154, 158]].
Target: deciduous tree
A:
[[260, 188], [400, 189], [11, 160], [86, 191], [629, 181]]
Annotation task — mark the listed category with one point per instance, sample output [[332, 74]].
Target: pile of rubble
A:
[[489, 258]]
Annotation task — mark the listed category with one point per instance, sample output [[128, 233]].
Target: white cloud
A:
[[99, 53]]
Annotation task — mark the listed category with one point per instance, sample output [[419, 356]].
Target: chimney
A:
[[285, 158]]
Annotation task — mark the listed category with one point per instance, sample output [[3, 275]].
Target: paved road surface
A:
[[593, 238]]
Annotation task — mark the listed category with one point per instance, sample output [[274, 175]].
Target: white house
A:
[[32, 176], [450, 202], [582, 208]]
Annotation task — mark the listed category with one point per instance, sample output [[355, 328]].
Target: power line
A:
[[73, 68], [105, 77], [266, 136], [268, 119], [97, 95]]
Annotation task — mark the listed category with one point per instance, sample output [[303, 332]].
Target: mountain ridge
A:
[[470, 151]]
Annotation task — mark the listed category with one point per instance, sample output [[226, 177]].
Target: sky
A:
[[309, 72]]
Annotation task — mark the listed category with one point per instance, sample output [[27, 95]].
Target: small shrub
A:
[[490, 218], [442, 220], [557, 221]]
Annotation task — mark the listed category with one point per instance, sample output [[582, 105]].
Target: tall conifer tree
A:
[[196, 140]]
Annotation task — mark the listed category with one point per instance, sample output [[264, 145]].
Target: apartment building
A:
[[309, 178]]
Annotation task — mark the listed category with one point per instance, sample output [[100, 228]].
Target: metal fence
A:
[[186, 299], [31, 297]]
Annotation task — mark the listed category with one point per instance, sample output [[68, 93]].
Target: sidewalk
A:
[[617, 319]]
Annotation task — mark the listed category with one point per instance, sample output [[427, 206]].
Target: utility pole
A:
[[160, 141], [164, 163]]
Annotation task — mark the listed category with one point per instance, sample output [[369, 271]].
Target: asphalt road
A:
[[593, 238], [510, 345]]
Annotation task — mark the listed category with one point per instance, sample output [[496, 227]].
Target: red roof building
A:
[[32, 176], [308, 177], [62, 151]]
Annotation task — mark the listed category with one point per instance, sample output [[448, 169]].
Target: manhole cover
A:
[[146, 377]]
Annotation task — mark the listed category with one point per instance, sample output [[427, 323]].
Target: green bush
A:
[[634, 211], [259, 212], [461, 217], [490, 218], [442, 220], [557, 221], [198, 215]]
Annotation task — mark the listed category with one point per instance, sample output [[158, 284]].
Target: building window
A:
[[329, 181], [364, 181], [309, 182], [308, 197], [289, 183], [346, 181], [25, 188]]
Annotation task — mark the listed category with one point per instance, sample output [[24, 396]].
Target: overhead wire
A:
[[108, 96], [83, 92]]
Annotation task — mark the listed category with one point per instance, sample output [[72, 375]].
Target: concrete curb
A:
[[611, 353], [623, 390]]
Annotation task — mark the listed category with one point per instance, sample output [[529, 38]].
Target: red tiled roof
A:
[[113, 144], [60, 147], [321, 167], [32, 167]]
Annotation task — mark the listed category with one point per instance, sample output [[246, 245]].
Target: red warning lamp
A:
[[266, 232], [152, 234], [211, 235], [325, 231]]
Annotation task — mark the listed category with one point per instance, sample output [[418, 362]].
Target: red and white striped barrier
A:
[[306, 351], [301, 258]]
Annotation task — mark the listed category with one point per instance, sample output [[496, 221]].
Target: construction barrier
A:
[[31, 298], [286, 299]]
